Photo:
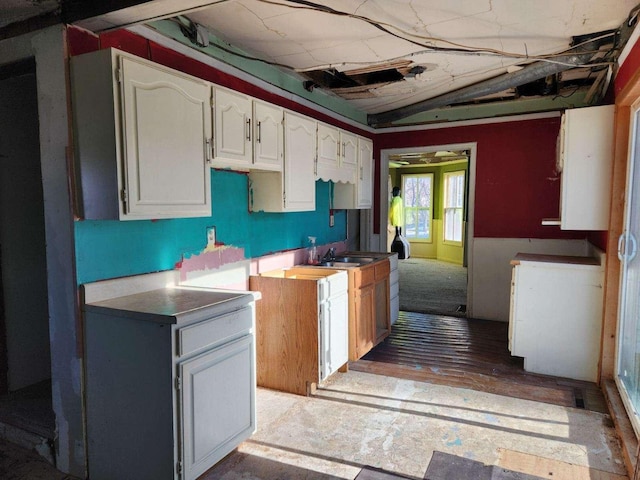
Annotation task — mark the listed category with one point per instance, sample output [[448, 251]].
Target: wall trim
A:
[[466, 123]]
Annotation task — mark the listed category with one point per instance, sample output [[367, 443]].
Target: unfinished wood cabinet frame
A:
[[624, 101]]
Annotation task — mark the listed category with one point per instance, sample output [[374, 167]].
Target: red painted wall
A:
[[628, 69], [516, 183]]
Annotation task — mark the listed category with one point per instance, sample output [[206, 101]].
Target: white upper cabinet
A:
[[349, 165], [299, 156], [293, 189], [364, 183], [268, 136], [337, 155], [329, 152], [585, 156], [142, 138], [233, 129], [248, 132], [360, 194]]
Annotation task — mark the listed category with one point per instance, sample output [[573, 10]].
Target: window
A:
[[453, 206], [418, 205]]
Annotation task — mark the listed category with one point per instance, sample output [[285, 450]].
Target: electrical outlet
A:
[[211, 237]]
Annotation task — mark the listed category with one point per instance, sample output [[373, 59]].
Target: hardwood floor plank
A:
[[469, 353]]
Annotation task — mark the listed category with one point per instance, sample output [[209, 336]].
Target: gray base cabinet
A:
[[168, 393]]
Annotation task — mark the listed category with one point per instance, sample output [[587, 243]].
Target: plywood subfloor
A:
[[473, 354]]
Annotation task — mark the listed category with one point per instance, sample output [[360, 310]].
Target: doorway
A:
[[25, 359], [437, 183]]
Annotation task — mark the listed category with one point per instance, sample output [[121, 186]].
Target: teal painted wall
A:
[[110, 249]]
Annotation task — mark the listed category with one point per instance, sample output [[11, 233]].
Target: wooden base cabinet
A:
[[301, 327], [170, 382], [369, 310]]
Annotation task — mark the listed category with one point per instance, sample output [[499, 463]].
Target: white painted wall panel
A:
[[490, 271]]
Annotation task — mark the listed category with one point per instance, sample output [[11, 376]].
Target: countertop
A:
[[560, 259], [173, 305]]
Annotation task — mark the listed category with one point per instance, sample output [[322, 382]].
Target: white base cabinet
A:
[[142, 138], [170, 382], [556, 314]]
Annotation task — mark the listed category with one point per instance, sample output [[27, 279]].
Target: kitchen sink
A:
[[358, 260], [339, 263]]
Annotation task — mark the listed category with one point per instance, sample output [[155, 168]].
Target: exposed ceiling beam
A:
[[529, 73]]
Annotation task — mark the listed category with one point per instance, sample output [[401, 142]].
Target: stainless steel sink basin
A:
[[339, 263], [349, 259]]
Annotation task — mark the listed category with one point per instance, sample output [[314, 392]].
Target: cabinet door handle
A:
[[208, 146], [338, 145], [343, 144], [248, 129], [361, 173], [259, 134]]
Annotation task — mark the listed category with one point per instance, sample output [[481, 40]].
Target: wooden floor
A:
[[473, 354]]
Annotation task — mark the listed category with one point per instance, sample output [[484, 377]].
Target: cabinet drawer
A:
[[381, 270], [365, 276], [214, 331]]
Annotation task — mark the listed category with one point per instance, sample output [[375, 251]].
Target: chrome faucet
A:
[[330, 255]]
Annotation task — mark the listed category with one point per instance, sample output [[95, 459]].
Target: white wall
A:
[[490, 282]]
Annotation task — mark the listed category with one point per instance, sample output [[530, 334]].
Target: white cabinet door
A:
[[334, 331], [268, 136], [337, 155], [329, 152], [360, 194], [365, 173], [166, 122], [349, 163], [299, 158], [233, 130], [586, 145], [218, 404], [141, 134]]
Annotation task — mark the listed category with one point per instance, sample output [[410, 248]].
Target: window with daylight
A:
[[453, 206], [417, 194]]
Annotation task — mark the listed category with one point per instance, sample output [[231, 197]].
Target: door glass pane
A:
[[628, 347]]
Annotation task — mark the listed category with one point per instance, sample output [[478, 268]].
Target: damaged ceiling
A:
[[392, 60], [396, 58]]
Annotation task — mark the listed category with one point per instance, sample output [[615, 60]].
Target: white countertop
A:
[[173, 305]]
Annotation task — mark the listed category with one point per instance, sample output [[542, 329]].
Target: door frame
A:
[[629, 95], [469, 230]]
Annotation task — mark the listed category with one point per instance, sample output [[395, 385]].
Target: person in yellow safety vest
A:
[[396, 215]]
